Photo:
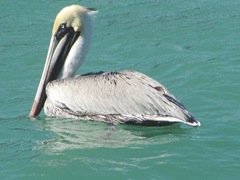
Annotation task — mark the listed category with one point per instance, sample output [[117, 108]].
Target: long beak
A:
[[57, 54]]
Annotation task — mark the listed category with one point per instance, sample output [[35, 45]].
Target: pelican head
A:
[[68, 47]]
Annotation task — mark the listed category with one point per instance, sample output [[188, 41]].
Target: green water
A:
[[192, 47]]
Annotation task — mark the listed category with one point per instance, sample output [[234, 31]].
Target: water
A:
[[192, 47]]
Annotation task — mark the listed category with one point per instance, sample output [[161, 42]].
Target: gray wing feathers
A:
[[125, 92]]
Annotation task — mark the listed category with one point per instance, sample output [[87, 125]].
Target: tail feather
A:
[[172, 120]]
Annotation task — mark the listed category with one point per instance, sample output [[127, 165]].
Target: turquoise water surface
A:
[[192, 47]]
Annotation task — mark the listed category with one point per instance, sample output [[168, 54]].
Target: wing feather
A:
[[126, 93]]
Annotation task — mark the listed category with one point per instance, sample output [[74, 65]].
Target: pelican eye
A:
[[62, 26], [62, 31]]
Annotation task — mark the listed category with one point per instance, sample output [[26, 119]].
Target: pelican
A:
[[121, 97]]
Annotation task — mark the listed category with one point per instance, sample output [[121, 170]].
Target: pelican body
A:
[[125, 96]]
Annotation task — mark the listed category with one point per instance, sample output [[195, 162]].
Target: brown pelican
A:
[[115, 97]]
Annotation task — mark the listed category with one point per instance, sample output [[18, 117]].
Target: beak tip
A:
[[31, 115], [35, 109]]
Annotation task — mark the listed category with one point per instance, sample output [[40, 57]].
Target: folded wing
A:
[[122, 94]]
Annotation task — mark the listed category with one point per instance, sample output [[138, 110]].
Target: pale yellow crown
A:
[[72, 16]]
